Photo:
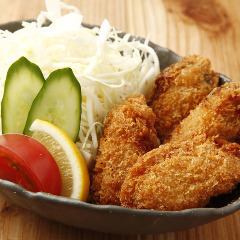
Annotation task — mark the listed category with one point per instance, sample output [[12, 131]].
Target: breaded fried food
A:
[[202, 160], [218, 115], [128, 133], [179, 89]]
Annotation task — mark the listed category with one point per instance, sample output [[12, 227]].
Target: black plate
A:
[[116, 219]]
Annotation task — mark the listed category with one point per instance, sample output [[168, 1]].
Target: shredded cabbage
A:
[[108, 67]]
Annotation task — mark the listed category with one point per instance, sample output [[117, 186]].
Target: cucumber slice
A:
[[24, 81], [58, 102]]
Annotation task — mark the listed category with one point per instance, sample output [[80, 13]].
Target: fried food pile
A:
[[200, 161], [200, 157]]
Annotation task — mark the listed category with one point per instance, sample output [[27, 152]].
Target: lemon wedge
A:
[[72, 166]]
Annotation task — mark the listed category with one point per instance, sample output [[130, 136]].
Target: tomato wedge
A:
[[25, 161]]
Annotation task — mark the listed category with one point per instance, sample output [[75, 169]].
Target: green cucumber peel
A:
[[23, 82], [58, 102]]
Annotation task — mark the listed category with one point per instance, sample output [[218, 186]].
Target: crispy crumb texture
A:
[[128, 133], [179, 89], [200, 160]]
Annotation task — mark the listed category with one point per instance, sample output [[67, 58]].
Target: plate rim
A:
[[39, 196]]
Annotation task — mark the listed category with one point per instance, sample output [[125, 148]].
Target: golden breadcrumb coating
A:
[[128, 133], [217, 115], [179, 89], [201, 160]]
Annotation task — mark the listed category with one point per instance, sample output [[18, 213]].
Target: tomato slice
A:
[[25, 161]]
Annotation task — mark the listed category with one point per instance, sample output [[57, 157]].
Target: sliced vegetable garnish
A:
[[58, 102], [72, 166], [24, 81], [25, 161]]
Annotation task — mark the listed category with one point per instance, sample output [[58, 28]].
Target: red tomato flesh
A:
[[25, 161]]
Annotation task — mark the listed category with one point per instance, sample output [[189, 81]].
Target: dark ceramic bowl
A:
[[116, 219]]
